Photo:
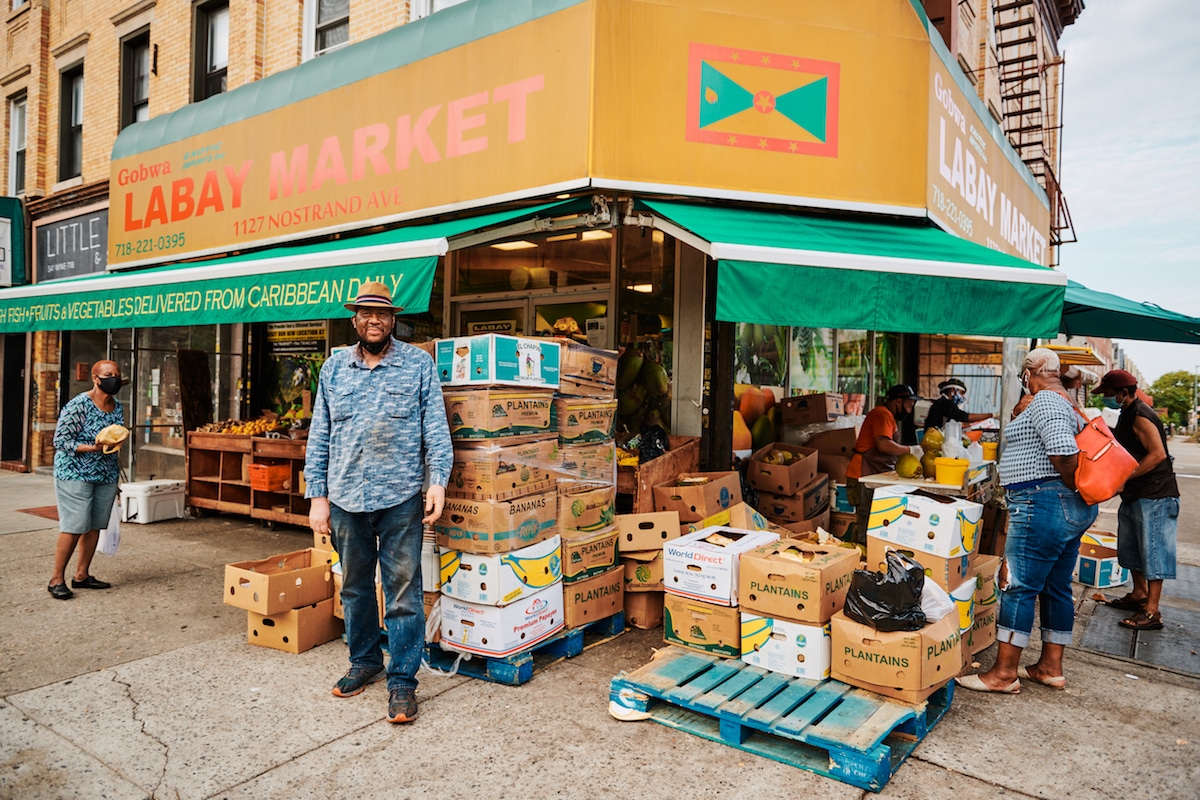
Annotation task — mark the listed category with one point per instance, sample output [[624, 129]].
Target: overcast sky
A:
[[1131, 160]]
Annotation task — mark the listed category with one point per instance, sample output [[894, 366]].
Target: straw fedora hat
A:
[[373, 294], [112, 437]]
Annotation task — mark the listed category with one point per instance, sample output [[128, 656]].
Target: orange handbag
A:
[[1104, 465]]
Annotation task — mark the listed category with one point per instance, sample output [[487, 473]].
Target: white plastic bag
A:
[[110, 537], [935, 601], [952, 447]]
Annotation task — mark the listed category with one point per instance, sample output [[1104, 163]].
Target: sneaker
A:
[[402, 705], [357, 679]]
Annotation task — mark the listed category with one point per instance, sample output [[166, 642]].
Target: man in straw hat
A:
[[378, 432], [86, 471]]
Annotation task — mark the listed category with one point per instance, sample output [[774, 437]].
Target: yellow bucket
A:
[[989, 450], [951, 471]]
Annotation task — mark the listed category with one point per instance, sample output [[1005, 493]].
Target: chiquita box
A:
[[703, 565], [707, 627], [498, 579], [502, 630], [789, 648], [794, 580], [495, 359], [905, 516], [496, 526]]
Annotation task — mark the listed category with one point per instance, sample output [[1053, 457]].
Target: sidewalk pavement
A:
[[150, 690]]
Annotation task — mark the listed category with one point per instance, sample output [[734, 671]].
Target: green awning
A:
[[279, 284], [1090, 313], [822, 272]]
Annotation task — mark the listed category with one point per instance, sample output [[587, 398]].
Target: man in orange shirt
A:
[[876, 450]]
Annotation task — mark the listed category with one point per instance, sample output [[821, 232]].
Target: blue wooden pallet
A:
[[826, 727], [520, 667]]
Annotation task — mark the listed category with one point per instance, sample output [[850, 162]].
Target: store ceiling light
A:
[[562, 197], [591, 236], [518, 245], [644, 288], [563, 237]]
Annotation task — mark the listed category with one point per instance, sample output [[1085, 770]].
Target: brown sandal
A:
[[1126, 603], [1143, 621]]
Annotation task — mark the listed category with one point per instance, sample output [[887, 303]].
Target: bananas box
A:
[[789, 648], [587, 554], [498, 631], [797, 581], [1097, 562], [647, 531], [586, 506], [598, 597], [501, 578], [906, 665], [782, 469], [481, 414], [643, 571], [703, 565], [588, 462], [947, 573], [497, 471], [984, 570], [909, 517], [707, 627], [496, 526], [495, 359], [580, 420], [696, 495]]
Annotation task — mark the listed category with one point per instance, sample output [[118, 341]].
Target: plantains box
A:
[[586, 506], [695, 501], [476, 414], [796, 581], [643, 610], [580, 420], [585, 554], [643, 571], [811, 409], [647, 531], [906, 665], [809, 502], [598, 597], [280, 583], [706, 627], [294, 630], [496, 471], [496, 526], [588, 462], [782, 479]]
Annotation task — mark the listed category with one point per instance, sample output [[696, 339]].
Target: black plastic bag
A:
[[888, 601], [653, 443]]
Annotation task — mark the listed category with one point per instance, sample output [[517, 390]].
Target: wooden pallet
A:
[[826, 727], [520, 667]]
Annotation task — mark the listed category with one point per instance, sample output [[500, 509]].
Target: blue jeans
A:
[[392, 538], [1146, 536], [1044, 526]]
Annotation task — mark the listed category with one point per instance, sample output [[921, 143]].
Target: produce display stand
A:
[[979, 485], [826, 727], [637, 482], [218, 476]]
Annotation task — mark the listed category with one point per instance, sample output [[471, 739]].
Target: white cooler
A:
[[151, 501]]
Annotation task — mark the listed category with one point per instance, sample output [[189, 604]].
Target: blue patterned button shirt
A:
[[376, 431], [79, 422]]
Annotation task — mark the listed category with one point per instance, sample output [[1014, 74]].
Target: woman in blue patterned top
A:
[[1046, 518], [85, 477]]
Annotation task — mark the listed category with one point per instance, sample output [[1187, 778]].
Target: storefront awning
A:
[[280, 284], [821, 272], [1090, 313]]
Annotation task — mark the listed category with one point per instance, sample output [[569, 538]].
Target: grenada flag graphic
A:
[[762, 101]]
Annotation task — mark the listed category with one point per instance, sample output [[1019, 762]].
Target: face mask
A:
[[1025, 383], [1112, 402], [374, 348], [111, 384], [957, 399]]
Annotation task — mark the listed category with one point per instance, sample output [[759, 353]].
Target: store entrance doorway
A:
[[12, 413], [581, 316]]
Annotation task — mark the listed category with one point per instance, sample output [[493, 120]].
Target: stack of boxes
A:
[[791, 492], [808, 419], [288, 599], [641, 538]]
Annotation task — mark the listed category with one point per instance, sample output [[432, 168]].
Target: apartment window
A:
[[16, 147], [212, 49], [333, 25], [18, 3], [70, 124], [423, 8], [135, 79]]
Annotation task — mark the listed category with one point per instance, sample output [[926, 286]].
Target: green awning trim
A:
[[1091, 313], [398, 47], [280, 284], [823, 272]]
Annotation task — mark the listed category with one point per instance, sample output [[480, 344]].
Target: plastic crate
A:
[[269, 477]]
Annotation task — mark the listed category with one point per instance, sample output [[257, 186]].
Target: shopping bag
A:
[[888, 601], [110, 537], [1103, 465]]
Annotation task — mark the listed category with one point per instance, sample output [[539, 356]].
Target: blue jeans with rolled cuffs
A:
[[390, 538], [1045, 523], [1146, 536]]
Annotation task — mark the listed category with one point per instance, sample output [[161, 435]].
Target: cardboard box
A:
[[647, 531], [644, 610], [840, 524], [840, 499], [809, 502], [294, 630], [741, 516], [498, 360], [805, 525], [789, 648], [834, 449], [643, 571], [502, 630], [499, 579], [431, 564], [987, 604], [433, 607], [909, 517], [1097, 564], [598, 597], [782, 479], [811, 409], [906, 665], [707, 627], [586, 506], [580, 420], [323, 541], [695, 501], [586, 554], [478, 414], [704, 564], [497, 471], [586, 371], [588, 462], [945, 572], [796, 581], [497, 526], [280, 583]]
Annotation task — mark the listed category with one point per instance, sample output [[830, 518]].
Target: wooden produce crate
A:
[[637, 482]]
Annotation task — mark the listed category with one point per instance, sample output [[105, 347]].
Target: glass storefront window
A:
[[535, 263], [645, 334], [810, 367]]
